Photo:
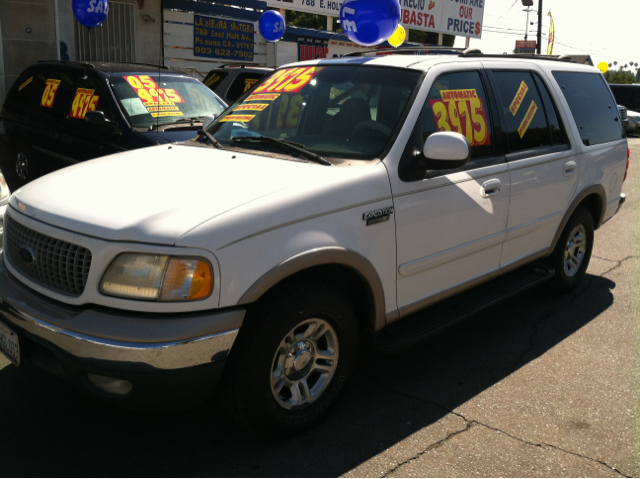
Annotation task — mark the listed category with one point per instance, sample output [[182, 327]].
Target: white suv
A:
[[340, 199]]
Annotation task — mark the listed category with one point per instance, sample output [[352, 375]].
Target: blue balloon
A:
[[90, 13], [272, 26], [369, 22]]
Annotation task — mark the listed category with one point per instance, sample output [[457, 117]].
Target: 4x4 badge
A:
[[377, 216]]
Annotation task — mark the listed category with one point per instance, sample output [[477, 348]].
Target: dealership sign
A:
[[454, 17]]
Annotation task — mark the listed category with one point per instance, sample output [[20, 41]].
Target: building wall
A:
[[28, 29], [147, 26]]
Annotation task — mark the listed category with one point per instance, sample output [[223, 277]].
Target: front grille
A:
[[56, 264]]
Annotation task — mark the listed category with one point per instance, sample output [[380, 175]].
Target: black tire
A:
[[564, 281], [22, 163], [246, 387]]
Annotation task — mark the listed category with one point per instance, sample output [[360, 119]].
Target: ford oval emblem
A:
[[27, 254]]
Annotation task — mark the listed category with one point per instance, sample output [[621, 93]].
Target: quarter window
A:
[[592, 105], [457, 102]]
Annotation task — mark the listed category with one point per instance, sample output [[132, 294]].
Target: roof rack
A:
[[407, 51], [86, 64], [241, 65], [469, 52], [154, 65]]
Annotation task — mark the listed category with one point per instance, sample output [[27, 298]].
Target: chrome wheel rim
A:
[[22, 166], [304, 364], [575, 250]]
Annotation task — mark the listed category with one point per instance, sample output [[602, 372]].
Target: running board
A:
[[424, 324]]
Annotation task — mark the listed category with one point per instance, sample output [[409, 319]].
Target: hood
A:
[[157, 194]]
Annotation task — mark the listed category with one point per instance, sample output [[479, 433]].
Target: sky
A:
[[604, 29]]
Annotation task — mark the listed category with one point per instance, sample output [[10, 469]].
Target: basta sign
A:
[[454, 17]]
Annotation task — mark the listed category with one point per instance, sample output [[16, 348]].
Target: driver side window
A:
[[457, 102]]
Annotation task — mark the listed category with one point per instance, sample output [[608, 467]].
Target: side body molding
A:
[[602, 195], [321, 257]]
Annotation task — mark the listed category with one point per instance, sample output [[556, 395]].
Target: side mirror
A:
[[446, 150], [208, 120], [97, 118]]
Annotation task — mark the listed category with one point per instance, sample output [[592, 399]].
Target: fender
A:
[[602, 194], [319, 257]]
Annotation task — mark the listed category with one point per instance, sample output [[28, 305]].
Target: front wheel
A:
[[572, 254], [296, 351]]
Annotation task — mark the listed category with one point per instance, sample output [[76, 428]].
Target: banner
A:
[[454, 17], [552, 35], [312, 48]]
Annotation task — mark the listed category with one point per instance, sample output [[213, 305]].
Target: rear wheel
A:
[[573, 251], [296, 351]]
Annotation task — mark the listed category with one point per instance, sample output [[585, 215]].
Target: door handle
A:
[[569, 168], [490, 188], [54, 134]]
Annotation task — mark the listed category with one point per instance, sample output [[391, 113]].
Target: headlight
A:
[[158, 278], [4, 190]]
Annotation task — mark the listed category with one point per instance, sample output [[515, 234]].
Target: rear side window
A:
[[242, 84], [556, 128], [65, 81], [592, 105], [214, 78], [524, 110]]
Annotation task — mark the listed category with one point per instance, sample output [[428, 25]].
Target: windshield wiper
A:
[[212, 139], [297, 147], [180, 122]]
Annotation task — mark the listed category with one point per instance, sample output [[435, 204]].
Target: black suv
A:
[[231, 82], [60, 113]]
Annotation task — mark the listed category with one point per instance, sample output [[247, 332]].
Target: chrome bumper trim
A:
[[164, 356]]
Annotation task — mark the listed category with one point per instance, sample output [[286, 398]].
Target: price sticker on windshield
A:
[[152, 96], [462, 111], [288, 80], [83, 101], [49, 94]]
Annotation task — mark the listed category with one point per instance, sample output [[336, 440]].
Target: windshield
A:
[[162, 99], [335, 111]]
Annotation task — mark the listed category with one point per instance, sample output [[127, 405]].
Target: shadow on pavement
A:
[[47, 428]]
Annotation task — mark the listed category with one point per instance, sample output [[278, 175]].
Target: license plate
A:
[[9, 344]]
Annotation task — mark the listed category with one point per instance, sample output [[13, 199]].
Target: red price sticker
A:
[[462, 111], [289, 80], [49, 94], [83, 101], [148, 91]]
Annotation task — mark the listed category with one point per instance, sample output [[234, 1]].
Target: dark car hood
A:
[[171, 135]]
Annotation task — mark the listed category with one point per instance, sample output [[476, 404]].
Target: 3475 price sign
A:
[[83, 101], [462, 111]]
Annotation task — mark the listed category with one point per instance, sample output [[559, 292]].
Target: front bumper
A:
[[167, 358]]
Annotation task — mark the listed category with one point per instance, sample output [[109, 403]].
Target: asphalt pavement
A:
[[539, 386]]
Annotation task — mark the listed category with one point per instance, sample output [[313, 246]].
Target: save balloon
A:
[[272, 26], [90, 13], [369, 22]]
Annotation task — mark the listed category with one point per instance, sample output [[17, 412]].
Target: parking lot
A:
[[539, 386]]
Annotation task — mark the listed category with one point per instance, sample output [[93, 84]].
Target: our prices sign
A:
[[462, 111], [454, 17]]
